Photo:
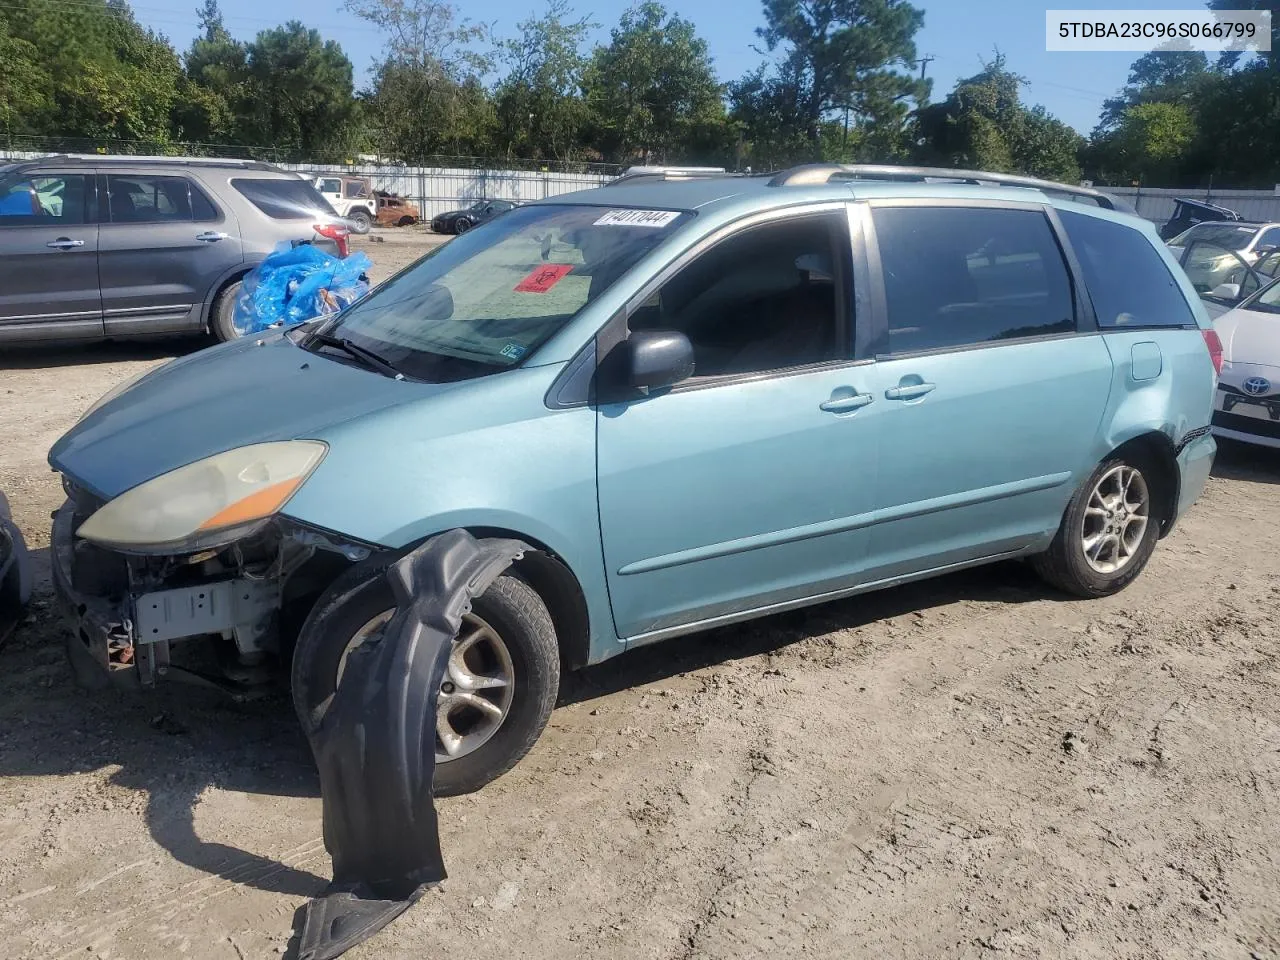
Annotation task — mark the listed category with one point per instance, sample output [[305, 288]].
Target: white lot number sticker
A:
[[636, 218]]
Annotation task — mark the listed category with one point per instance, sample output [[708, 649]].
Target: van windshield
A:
[[486, 300]]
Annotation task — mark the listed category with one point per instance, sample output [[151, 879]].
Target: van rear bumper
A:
[[1195, 462]]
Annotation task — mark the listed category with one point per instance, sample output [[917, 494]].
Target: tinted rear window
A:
[[284, 199], [955, 276], [1128, 281]]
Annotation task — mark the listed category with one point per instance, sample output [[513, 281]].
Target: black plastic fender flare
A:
[[374, 744]]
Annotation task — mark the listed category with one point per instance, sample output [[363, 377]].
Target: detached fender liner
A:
[[374, 744]]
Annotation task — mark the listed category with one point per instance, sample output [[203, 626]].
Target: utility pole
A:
[[924, 63]]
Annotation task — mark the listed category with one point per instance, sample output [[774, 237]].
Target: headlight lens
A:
[[121, 388], [208, 503]]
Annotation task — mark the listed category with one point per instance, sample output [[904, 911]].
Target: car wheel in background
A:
[[499, 688], [461, 225], [1108, 532], [361, 221], [222, 315]]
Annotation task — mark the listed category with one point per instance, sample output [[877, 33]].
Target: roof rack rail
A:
[[124, 159], [632, 174], [819, 173]]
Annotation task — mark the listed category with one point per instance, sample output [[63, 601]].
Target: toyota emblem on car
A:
[[1256, 386]]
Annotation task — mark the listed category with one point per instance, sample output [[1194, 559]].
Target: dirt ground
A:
[[968, 767]]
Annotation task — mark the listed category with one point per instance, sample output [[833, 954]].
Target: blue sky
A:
[[958, 34]]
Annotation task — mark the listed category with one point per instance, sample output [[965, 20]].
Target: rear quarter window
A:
[[282, 199], [1128, 281]]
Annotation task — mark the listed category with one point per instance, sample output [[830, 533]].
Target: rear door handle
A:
[[64, 243], [211, 236], [841, 402], [908, 391]]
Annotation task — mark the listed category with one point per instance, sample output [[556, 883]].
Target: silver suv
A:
[[104, 247]]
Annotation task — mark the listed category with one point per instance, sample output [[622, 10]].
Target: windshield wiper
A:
[[370, 359]]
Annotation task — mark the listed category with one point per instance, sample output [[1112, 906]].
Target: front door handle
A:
[[64, 243], [211, 236], [908, 391], [843, 402]]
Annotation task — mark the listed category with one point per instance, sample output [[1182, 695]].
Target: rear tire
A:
[[462, 226], [509, 605], [222, 314], [1108, 532], [361, 221]]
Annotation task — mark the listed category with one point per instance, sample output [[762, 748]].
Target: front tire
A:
[[508, 636], [1108, 532], [461, 226]]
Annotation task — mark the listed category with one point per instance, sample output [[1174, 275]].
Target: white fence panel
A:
[[438, 189]]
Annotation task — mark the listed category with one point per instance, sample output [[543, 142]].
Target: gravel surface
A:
[[960, 768]]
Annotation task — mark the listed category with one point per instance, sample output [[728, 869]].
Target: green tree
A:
[[1157, 77], [838, 57], [26, 87], [983, 125], [427, 95], [216, 93], [87, 70], [1151, 142], [652, 90], [539, 105], [301, 93]]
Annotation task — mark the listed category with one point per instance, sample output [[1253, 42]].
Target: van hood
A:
[[248, 391]]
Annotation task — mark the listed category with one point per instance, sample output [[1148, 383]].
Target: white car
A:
[[1249, 240], [1247, 402]]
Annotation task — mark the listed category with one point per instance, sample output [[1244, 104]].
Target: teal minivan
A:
[[698, 399]]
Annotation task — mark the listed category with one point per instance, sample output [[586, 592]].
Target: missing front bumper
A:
[[121, 637]]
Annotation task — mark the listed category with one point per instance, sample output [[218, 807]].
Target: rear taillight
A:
[[1215, 349], [339, 235]]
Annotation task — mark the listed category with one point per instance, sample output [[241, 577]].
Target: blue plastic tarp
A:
[[296, 284]]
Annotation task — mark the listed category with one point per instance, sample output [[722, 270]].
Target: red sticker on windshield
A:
[[543, 278]]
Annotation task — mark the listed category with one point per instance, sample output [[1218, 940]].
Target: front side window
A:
[[1127, 279], [1209, 266], [956, 276], [768, 298], [485, 301], [54, 199], [1266, 300]]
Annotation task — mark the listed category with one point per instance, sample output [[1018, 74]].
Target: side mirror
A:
[[1226, 291], [658, 358]]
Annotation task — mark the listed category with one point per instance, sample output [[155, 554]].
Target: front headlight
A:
[[121, 388], [209, 503]]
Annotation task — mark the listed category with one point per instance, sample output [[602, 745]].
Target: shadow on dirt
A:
[[46, 357], [177, 742], [1002, 583], [1246, 461]]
